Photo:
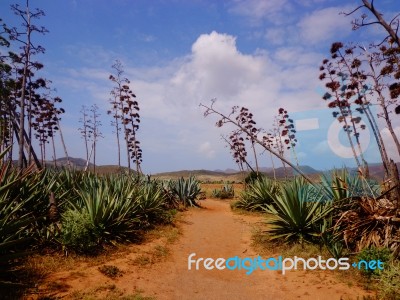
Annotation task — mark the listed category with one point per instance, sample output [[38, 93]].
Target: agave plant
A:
[[226, 192], [186, 190], [330, 239], [150, 203], [341, 185], [297, 211], [258, 194], [112, 212], [15, 221]]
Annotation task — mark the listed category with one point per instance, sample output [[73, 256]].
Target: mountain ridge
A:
[[376, 170]]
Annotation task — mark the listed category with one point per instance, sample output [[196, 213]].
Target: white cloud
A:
[[207, 150], [216, 69], [275, 36], [324, 25], [169, 96], [257, 10], [310, 2]]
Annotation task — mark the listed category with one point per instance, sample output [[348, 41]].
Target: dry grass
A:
[[205, 176], [263, 245], [38, 267], [107, 292], [157, 254]]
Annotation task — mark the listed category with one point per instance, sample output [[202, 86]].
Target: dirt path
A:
[[214, 232]]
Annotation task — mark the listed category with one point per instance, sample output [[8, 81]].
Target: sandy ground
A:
[[214, 232]]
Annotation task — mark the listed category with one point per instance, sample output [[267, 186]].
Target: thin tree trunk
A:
[[21, 139], [255, 156], [295, 155], [390, 127], [118, 143], [281, 151], [30, 120], [63, 143], [128, 156], [374, 125], [379, 140], [22, 102], [94, 156], [349, 136], [54, 150], [85, 133], [11, 136], [26, 144], [273, 165], [41, 152], [386, 114], [378, 15], [87, 162], [16, 130], [356, 135]]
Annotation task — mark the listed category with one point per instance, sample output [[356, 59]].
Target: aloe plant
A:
[[186, 190], [296, 212], [111, 212]]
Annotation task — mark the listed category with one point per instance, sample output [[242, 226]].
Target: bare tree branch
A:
[[227, 119]]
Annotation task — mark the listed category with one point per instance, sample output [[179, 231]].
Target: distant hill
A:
[[270, 171], [227, 171], [376, 171], [112, 169], [231, 174], [78, 163], [203, 175]]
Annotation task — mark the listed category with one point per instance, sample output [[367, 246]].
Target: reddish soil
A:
[[214, 231]]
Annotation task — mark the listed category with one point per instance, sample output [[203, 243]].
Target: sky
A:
[[177, 54]]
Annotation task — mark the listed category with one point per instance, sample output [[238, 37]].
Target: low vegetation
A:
[[341, 215], [258, 194], [225, 192], [80, 212]]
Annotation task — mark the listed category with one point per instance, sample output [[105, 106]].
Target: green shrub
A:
[[373, 253], [389, 283], [78, 232], [168, 216], [226, 192], [254, 176]]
